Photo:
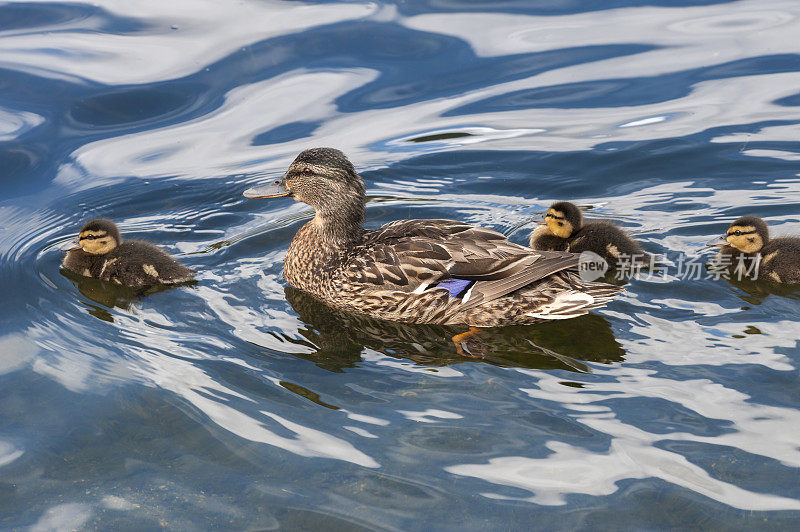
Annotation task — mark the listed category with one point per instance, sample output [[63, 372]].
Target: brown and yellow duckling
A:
[[100, 252], [565, 230], [748, 250], [418, 271]]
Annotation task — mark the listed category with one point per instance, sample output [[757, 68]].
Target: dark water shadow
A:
[[623, 92], [35, 15], [527, 7], [339, 339], [112, 295], [756, 291], [129, 107]]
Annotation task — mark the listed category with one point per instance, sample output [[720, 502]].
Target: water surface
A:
[[242, 403]]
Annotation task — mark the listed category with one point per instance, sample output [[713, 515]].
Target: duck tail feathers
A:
[[576, 302]]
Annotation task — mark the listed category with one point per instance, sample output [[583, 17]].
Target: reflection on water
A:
[[755, 291], [239, 403], [110, 294], [340, 338]]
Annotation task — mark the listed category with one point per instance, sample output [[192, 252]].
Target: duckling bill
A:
[[101, 253], [565, 230], [418, 271], [748, 250]]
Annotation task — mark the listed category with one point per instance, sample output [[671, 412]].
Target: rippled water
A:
[[240, 403]]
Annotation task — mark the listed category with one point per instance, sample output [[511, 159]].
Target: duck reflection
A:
[[111, 295], [339, 338], [756, 291]]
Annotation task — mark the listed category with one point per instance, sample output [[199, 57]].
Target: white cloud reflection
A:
[[221, 140], [68, 516], [16, 352], [572, 470], [702, 32], [9, 453], [429, 416], [712, 345], [763, 430], [15, 123], [146, 354], [220, 143], [182, 37]]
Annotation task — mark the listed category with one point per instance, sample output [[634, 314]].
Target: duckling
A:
[[748, 251], [418, 271], [100, 252], [565, 230]]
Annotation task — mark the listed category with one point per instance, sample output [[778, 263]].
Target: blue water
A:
[[239, 403]]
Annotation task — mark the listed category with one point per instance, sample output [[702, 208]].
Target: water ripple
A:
[[239, 402]]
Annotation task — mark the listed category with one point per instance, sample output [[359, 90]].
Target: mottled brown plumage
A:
[[101, 253], [749, 252], [339, 338], [419, 271], [565, 230]]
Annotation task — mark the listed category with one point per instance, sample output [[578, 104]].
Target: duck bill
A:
[[69, 246], [276, 189], [717, 243]]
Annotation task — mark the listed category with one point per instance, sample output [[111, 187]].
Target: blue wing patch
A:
[[456, 287]]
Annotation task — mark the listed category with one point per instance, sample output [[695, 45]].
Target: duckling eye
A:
[[737, 233]]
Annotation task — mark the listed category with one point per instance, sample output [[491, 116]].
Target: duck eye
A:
[[307, 171]]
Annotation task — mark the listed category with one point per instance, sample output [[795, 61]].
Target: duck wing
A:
[[416, 255], [138, 263]]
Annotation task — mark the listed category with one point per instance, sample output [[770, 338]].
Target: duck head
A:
[[563, 218], [97, 237], [325, 179], [748, 234]]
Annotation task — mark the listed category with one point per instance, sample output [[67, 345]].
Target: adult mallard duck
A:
[[748, 251], [418, 271], [565, 230], [99, 252]]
